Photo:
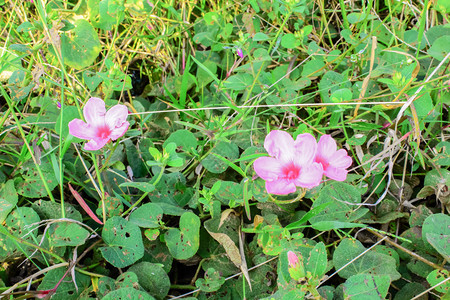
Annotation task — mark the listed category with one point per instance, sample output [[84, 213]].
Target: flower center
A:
[[321, 160], [103, 132], [290, 171]]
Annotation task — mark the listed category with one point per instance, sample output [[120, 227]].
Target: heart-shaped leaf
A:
[[183, 243], [124, 242]]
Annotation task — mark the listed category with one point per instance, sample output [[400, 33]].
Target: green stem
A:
[[102, 189], [278, 33]]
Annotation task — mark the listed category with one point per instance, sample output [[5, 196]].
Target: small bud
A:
[[239, 52], [292, 259], [296, 268]]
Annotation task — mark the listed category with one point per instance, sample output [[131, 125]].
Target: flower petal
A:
[[341, 160], [305, 148], [94, 111], [267, 168], [119, 131], [338, 174], [95, 144], [326, 147], [280, 187], [280, 144], [81, 130], [310, 176], [116, 116]]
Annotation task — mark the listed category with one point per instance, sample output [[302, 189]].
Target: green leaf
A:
[[310, 214], [212, 281], [317, 261], [183, 243], [67, 234], [113, 207], [437, 276], [124, 242], [8, 199], [182, 138], [52, 210], [341, 95], [289, 41], [435, 178], [67, 114], [31, 185], [206, 73], [230, 191], [81, 46], [66, 290], [336, 193], [259, 36], [147, 216], [439, 48], [135, 160], [442, 6], [227, 150], [371, 262], [18, 223], [329, 225], [239, 82], [92, 80], [109, 12], [367, 287], [152, 278], [126, 294], [146, 187], [410, 290], [330, 83], [442, 157], [436, 230]]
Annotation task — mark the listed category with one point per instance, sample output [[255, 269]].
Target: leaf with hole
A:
[[124, 242], [367, 287], [438, 276], [81, 46], [67, 234], [147, 216], [183, 243], [212, 281], [8, 199], [31, 185]]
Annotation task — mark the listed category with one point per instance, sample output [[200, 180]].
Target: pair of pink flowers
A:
[[101, 126], [300, 163]]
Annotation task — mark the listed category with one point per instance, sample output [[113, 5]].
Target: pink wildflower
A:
[[334, 162], [292, 259], [101, 126], [291, 163], [239, 52]]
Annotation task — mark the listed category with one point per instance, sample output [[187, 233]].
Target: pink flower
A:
[[101, 126], [292, 259], [334, 162], [291, 163], [239, 52]]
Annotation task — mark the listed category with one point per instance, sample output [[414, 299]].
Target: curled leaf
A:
[[83, 204]]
